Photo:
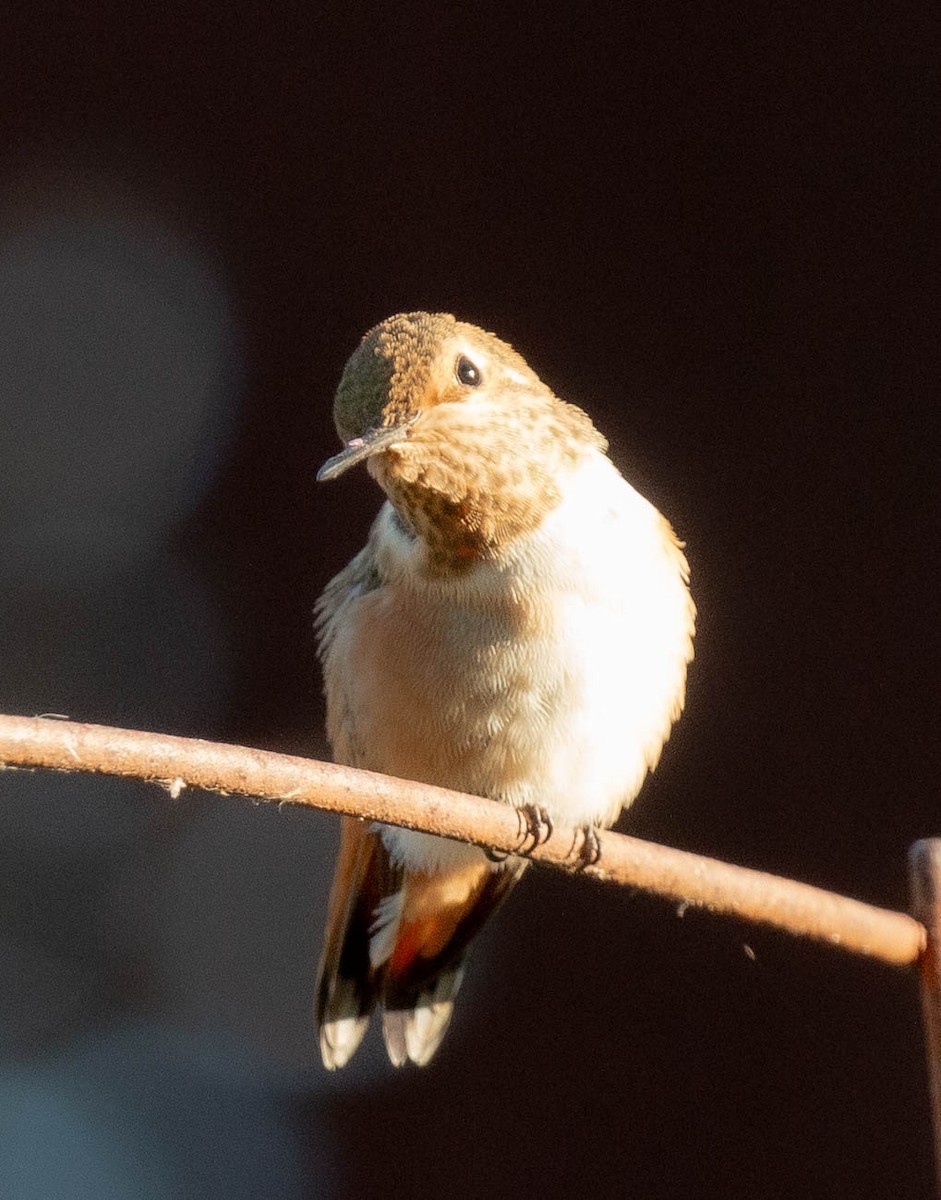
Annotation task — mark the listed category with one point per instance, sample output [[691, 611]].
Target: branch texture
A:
[[177, 762]]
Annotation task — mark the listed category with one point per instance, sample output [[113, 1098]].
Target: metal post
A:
[[924, 860]]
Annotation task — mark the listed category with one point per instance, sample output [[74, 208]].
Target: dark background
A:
[[713, 228]]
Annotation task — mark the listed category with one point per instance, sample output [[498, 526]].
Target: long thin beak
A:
[[357, 449]]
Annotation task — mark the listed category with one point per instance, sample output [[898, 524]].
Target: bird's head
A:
[[410, 364], [468, 443]]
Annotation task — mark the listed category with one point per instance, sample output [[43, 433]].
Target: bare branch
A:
[[177, 762]]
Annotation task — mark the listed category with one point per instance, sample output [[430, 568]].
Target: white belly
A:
[[551, 678]]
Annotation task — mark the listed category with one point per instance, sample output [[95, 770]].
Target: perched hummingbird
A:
[[517, 626]]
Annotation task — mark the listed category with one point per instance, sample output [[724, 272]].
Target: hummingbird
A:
[[518, 626]]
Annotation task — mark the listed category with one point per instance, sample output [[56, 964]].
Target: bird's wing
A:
[[346, 984], [393, 934]]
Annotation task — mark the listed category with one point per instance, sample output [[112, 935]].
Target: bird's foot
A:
[[586, 850], [535, 826]]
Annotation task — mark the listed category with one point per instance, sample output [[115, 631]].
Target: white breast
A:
[[551, 676]]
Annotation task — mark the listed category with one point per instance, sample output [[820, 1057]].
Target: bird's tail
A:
[[398, 937]]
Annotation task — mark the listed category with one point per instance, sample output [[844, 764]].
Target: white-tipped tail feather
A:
[[414, 1034], [340, 1039]]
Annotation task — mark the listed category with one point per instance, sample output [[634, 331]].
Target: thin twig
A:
[[686, 878]]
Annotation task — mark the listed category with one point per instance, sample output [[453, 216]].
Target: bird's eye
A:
[[467, 373]]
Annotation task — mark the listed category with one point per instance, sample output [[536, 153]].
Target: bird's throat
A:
[[469, 493]]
